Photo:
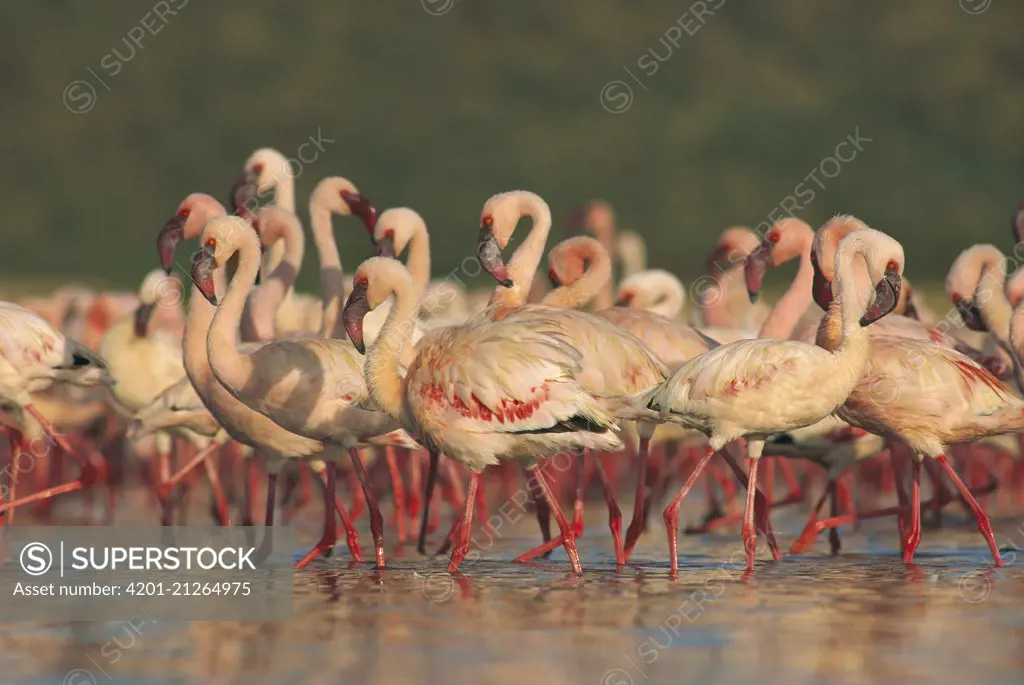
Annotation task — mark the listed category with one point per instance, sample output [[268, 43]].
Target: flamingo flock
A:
[[391, 383]]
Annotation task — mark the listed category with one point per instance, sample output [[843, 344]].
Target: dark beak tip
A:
[[507, 282], [754, 295]]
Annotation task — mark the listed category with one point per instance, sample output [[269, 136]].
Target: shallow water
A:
[[861, 618]]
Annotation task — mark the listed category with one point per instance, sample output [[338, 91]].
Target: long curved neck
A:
[[793, 304], [332, 290], [284, 197], [383, 379], [418, 262], [715, 298], [586, 287], [523, 266], [263, 305], [995, 308], [197, 326], [231, 368], [851, 305]]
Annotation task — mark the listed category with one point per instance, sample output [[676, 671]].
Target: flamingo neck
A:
[[332, 290], [522, 268], [715, 298], [1016, 336], [991, 298], [197, 327], [284, 198], [418, 262], [268, 298], [231, 368], [577, 294], [383, 380], [851, 304], [793, 304]]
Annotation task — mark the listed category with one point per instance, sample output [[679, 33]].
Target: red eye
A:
[[956, 297], [488, 220], [212, 242], [258, 167], [185, 211], [892, 265], [773, 236], [389, 233], [362, 282]]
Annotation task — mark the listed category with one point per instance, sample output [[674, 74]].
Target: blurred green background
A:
[[440, 112]]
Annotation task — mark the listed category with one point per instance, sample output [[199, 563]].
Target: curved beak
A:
[[887, 294], [489, 252], [203, 268], [167, 240], [142, 315], [361, 207], [969, 312], [352, 315], [755, 268], [245, 194], [386, 246], [821, 289]]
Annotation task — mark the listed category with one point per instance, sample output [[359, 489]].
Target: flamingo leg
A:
[[568, 540], [17, 447], [428, 496], [330, 536], [984, 524], [749, 533], [671, 515], [460, 550], [397, 491], [249, 492], [577, 505], [636, 525], [760, 504], [218, 492], [376, 520], [914, 536], [168, 484], [540, 506], [415, 488], [833, 532], [614, 514], [809, 532]]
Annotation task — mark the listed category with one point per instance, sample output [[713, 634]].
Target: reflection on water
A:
[[862, 618]]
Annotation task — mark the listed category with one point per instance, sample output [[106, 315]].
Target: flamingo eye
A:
[[773, 237], [185, 211], [956, 297], [258, 167], [893, 265], [389, 233], [212, 242], [362, 282], [487, 220]]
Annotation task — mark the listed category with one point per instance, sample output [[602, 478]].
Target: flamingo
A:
[[311, 387], [721, 297], [490, 390], [753, 389], [35, 357]]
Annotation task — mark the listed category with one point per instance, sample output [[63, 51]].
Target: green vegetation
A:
[[439, 112]]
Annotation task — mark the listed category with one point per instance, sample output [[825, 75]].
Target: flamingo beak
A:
[[489, 252], [142, 315], [820, 288], [361, 207], [969, 312], [386, 246], [203, 268], [245, 194], [167, 241], [755, 268], [887, 295], [352, 315]]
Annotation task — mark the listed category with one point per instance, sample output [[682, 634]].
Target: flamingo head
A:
[[969, 311], [488, 249], [887, 294], [395, 228], [374, 282], [359, 205], [204, 266], [245, 193]]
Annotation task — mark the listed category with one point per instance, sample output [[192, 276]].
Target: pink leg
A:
[[749, 533], [636, 525], [914, 536], [760, 504], [218, 492], [398, 491], [330, 536], [568, 541], [671, 515], [415, 490], [460, 550], [428, 497], [376, 520], [984, 525]]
